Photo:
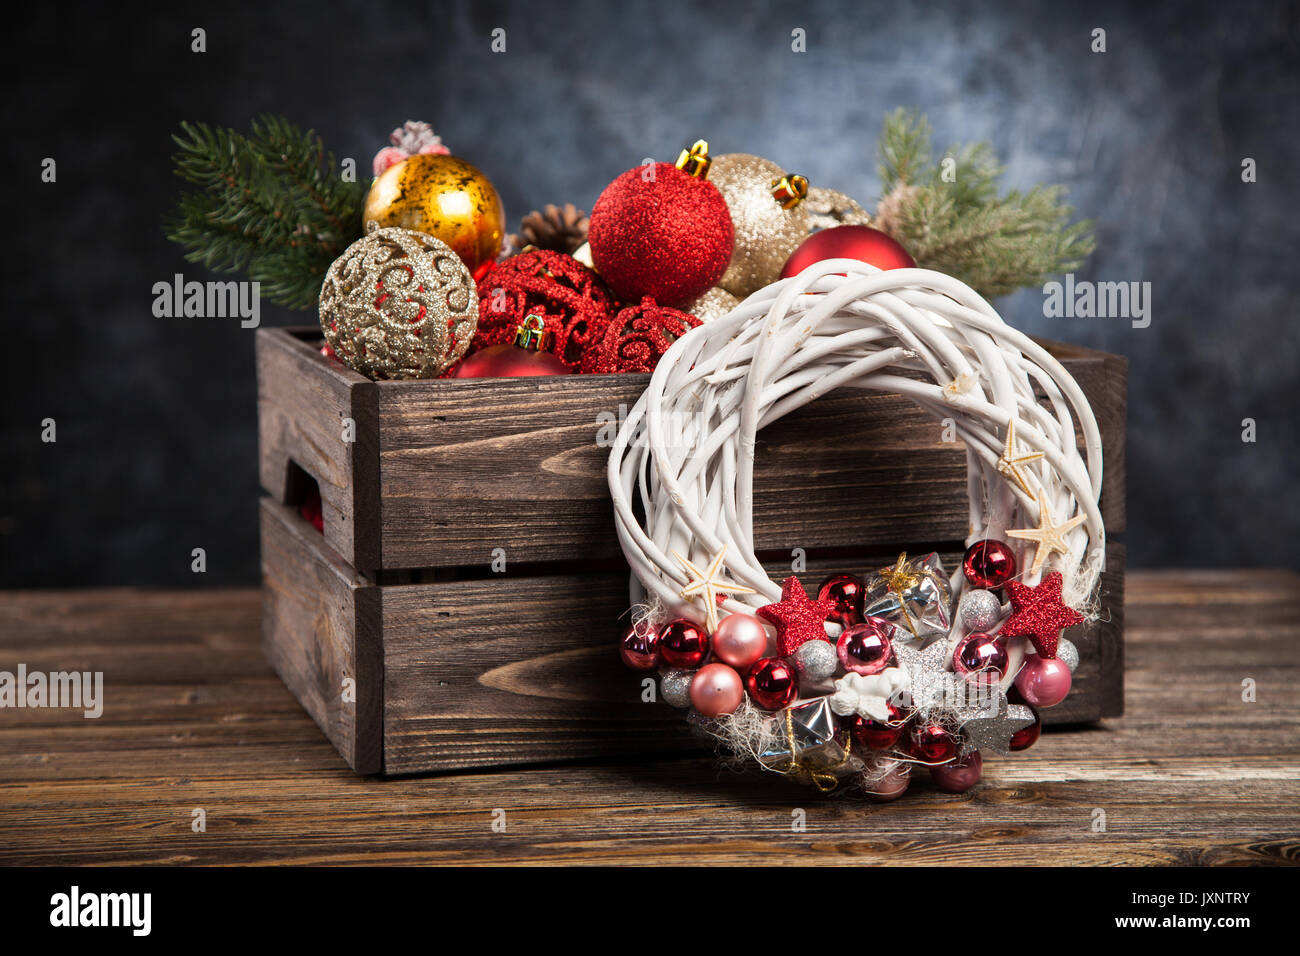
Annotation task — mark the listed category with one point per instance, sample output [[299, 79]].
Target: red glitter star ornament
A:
[[798, 618], [1040, 614]]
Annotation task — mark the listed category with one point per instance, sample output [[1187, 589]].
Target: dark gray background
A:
[[156, 450]]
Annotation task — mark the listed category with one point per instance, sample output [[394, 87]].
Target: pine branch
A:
[[953, 220], [270, 204]]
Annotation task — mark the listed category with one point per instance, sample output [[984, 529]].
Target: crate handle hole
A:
[[302, 491]]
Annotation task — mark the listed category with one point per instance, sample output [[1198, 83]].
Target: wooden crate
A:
[[413, 654]]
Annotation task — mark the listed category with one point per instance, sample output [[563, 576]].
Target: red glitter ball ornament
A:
[[847, 591], [572, 301], [683, 644], [639, 647], [989, 564], [848, 242], [658, 231], [772, 684], [636, 338]]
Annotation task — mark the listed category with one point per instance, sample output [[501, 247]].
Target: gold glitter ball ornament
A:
[[445, 197], [768, 215], [398, 304], [714, 304]]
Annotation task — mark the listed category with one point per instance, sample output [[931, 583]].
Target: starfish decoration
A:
[[709, 584], [1039, 613], [994, 732], [798, 618], [1010, 464], [1048, 536]]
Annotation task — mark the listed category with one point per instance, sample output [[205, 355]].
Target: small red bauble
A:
[[683, 644], [958, 776], [931, 743], [1026, 737], [658, 231], [772, 684], [639, 647], [849, 242], [847, 591], [311, 508], [989, 564], [508, 361], [865, 648], [980, 653], [878, 734]]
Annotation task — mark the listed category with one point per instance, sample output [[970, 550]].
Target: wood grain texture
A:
[[520, 667], [320, 629], [194, 717], [467, 466]]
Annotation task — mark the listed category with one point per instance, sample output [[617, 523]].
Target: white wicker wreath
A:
[[686, 449]]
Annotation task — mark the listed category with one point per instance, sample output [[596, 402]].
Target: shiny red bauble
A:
[[958, 776], [931, 743], [772, 683], [848, 242], [683, 644], [989, 564], [509, 361], [982, 654], [878, 734], [658, 231], [1026, 737], [847, 591], [639, 647], [865, 648]]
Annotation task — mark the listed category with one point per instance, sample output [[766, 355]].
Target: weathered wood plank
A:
[[194, 717], [462, 467], [320, 633]]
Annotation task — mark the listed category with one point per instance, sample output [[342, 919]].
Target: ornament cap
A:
[[790, 190], [696, 160], [533, 334]]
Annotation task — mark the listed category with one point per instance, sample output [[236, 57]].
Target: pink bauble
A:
[[981, 654], [865, 648], [716, 689], [740, 640], [1043, 681], [958, 776], [891, 786]]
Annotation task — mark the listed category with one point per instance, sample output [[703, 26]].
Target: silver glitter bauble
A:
[[675, 687], [1067, 654], [398, 304], [816, 660], [766, 234], [714, 304], [979, 610]]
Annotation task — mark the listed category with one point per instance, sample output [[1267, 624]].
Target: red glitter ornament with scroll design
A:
[[571, 300], [637, 338]]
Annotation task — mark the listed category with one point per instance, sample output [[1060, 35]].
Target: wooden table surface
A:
[[195, 719]]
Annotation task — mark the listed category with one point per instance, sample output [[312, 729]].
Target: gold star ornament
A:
[[1011, 465], [708, 584], [1048, 536]]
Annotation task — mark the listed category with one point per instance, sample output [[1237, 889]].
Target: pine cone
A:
[[554, 228]]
